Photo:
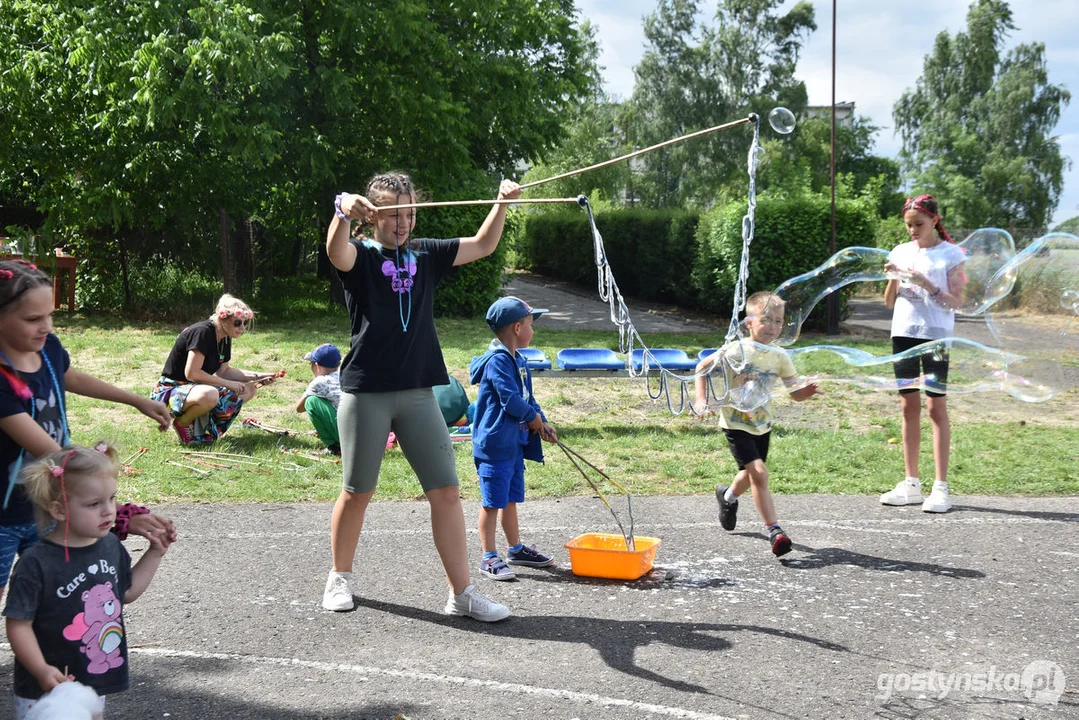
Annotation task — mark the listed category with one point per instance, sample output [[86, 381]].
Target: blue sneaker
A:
[[495, 569], [530, 557]]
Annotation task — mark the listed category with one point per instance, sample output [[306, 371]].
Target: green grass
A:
[[843, 442]]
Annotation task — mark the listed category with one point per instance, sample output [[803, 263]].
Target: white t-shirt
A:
[[327, 387], [915, 315]]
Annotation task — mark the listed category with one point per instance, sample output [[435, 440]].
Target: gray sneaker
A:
[[495, 569], [474, 604], [338, 595]]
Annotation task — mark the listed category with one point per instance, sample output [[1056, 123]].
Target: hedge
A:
[[650, 252], [692, 260], [790, 238]]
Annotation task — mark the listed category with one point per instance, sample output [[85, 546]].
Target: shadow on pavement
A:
[[616, 641], [817, 558], [152, 695], [1035, 514], [659, 576]]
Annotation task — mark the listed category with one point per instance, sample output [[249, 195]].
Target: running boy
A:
[[506, 430], [749, 431], [323, 394]]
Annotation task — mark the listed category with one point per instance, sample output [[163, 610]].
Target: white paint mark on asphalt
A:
[[570, 695]]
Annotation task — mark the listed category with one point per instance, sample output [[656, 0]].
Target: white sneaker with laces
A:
[[938, 500], [474, 604], [904, 493], [338, 594]]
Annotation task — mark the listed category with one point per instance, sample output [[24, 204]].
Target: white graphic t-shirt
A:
[[915, 315], [753, 373]]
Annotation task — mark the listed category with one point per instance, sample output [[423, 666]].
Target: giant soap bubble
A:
[[990, 257], [1038, 320], [1034, 352], [742, 376], [782, 120]]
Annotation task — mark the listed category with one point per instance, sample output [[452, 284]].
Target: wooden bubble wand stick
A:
[[635, 153], [452, 203]]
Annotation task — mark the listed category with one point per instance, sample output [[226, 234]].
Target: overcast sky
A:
[[880, 49]]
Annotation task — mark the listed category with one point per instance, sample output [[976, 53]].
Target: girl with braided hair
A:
[[35, 374], [928, 287], [388, 375]]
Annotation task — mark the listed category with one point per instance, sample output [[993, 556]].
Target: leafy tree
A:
[[977, 127], [591, 135], [1071, 225], [156, 128], [801, 162], [696, 75]]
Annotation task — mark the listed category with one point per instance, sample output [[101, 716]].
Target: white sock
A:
[[729, 496], [914, 481], [941, 485]]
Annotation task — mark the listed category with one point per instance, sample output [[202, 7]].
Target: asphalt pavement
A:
[[878, 612]]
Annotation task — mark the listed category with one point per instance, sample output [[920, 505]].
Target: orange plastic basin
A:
[[605, 555]]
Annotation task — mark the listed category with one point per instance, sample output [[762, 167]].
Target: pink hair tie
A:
[[6, 274], [56, 471], [102, 447]]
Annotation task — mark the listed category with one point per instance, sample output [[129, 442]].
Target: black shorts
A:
[[913, 367], [747, 447]]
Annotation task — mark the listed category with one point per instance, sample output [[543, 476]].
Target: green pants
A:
[[324, 417]]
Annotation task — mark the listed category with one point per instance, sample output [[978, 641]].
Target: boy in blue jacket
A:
[[507, 429]]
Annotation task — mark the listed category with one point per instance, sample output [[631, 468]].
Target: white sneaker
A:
[[938, 500], [474, 604], [904, 493], [338, 595]]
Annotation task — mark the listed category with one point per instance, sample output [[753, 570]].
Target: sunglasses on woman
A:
[[239, 323]]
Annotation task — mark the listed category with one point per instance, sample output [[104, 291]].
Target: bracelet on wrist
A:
[[936, 292], [337, 208]]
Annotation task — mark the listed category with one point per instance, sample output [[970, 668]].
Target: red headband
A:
[[921, 204]]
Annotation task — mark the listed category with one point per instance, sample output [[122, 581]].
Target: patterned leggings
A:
[[205, 428]]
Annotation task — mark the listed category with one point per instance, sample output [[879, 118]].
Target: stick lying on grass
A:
[[252, 423]]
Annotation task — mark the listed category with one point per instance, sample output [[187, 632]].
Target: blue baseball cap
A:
[[507, 310], [327, 356]]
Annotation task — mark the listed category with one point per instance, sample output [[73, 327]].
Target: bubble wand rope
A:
[[635, 153], [628, 333], [573, 456]]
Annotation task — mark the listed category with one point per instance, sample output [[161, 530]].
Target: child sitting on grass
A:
[[323, 394]]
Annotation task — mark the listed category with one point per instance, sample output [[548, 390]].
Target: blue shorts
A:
[[14, 540], [502, 483]]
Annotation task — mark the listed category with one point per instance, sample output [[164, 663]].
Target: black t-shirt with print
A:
[[385, 357], [46, 412], [201, 336], [76, 607]]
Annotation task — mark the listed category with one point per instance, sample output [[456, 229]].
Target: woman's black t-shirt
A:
[[385, 357], [201, 336]]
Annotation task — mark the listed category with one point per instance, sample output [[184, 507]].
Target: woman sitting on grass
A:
[[202, 391]]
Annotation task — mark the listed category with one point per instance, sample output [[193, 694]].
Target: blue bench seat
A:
[[666, 358], [589, 359]]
